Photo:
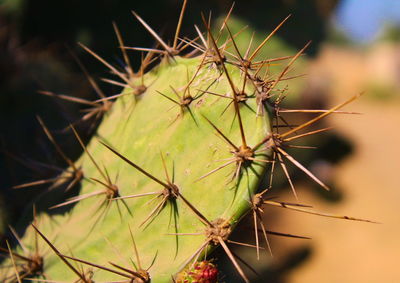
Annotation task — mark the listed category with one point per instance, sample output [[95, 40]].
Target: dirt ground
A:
[[346, 251]]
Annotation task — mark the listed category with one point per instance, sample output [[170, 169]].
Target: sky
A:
[[361, 20]]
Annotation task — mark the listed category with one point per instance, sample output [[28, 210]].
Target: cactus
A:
[[180, 157]]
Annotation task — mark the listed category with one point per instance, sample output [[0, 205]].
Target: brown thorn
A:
[[13, 262], [274, 155], [312, 121], [107, 185], [244, 79], [287, 235], [256, 234], [76, 179], [308, 134], [135, 166], [155, 211], [195, 73], [259, 160], [88, 153], [245, 263], [136, 274], [92, 82], [201, 37], [178, 27], [287, 174], [234, 43], [176, 93], [76, 199], [51, 138], [315, 111], [186, 44], [37, 183], [276, 126], [153, 33], [286, 69], [213, 93], [186, 234], [115, 95], [98, 266], [302, 146], [135, 248], [195, 210], [264, 233], [237, 171], [16, 255], [193, 44], [281, 203], [124, 54], [169, 98], [258, 70], [138, 195], [221, 134], [108, 179], [68, 98], [272, 60], [197, 252], [116, 250], [267, 38], [302, 168], [209, 22], [226, 44], [18, 239], [159, 194], [246, 54], [50, 281], [59, 254], [145, 49], [35, 223], [227, 17], [232, 258], [113, 82], [216, 169], [79, 267], [241, 244], [141, 69], [235, 101], [104, 62], [300, 209], [264, 140]]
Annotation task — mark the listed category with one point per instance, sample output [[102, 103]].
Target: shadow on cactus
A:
[[175, 164]]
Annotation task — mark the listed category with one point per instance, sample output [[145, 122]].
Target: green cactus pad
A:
[[146, 129]]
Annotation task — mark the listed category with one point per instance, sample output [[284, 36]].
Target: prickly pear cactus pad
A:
[[176, 162], [147, 147]]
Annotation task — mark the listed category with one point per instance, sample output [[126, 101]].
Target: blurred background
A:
[[355, 48]]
